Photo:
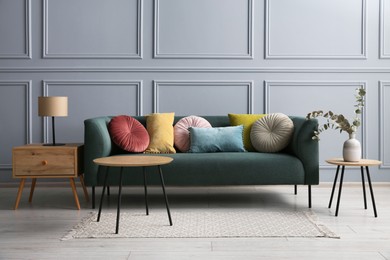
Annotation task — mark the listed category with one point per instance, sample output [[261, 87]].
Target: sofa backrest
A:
[[215, 121]]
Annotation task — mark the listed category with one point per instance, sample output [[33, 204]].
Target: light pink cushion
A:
[[128, 133], [182, 134]]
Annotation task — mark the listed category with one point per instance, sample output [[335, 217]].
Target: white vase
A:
[[352, 150]]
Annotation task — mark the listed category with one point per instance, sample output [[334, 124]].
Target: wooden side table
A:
[[37, 161], [133, 161], [363, 164]]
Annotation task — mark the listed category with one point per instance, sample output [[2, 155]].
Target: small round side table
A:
[[363, 164], [133, 161]]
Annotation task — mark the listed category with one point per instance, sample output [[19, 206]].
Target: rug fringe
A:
[[321, 226], [70, 233]]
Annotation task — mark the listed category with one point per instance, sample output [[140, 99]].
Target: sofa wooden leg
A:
[[309, 193], [295, 189]]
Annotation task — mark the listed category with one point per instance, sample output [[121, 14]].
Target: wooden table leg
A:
[[33, 182], [76, 199], [84, 188], [21, 186]]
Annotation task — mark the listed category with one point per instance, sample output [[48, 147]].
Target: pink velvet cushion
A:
[[182, 134], [128, 133]]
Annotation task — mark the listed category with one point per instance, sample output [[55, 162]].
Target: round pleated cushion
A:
[[272, 133], [128, 133], [182, 134]]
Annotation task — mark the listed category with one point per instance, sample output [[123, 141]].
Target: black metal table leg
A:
[[334, 186], [295, 190], [102, 197], [372, 193], [340, 188], [165, 195], [93, 197], [309, 194], [364, 187], [119, 202], [146, 191]]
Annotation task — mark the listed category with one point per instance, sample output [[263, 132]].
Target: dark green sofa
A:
[[298, 164]]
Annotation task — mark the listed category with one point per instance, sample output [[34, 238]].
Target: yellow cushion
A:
[[160, 129], [247, 121]]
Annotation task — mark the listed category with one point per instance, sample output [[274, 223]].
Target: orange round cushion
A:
[[128, 133]]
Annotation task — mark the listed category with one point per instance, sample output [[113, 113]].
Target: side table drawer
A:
[[44, 162]]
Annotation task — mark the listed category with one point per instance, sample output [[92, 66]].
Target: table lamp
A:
[[53, 106]]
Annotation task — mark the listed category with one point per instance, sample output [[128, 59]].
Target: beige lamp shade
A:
[[53, 106]]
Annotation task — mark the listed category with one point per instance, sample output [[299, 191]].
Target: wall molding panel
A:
[[27, 54], [384, 91], [202, 54], [137, 83], [49, 84], [158, 85], [26, 85], [268, 85], [312, 15], [384, 48], [87, 48]]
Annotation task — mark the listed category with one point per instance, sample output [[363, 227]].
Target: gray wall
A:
[[205, 57]]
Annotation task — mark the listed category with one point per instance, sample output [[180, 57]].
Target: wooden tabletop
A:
[[133, 160], [362, 162]]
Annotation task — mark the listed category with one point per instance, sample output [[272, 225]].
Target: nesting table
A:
[[363, 164], [133, 161]]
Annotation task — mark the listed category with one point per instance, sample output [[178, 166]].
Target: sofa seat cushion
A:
[[210, 169]]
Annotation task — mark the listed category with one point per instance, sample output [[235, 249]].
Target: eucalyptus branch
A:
[[338, 121]]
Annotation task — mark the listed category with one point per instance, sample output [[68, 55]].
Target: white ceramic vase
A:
[[352, 150]]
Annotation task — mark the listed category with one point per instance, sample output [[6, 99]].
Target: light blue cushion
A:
[[216, 139]]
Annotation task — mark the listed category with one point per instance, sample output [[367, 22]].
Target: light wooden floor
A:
[[34, 230]]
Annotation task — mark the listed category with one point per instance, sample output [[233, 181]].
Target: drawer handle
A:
[[44, 162]]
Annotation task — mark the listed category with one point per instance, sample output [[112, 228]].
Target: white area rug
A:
[[198, 223]]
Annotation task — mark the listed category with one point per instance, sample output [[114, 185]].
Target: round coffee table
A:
[[363, 163], [133, 161]]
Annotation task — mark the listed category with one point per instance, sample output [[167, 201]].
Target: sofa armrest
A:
[[305, 148], [97, 143]]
